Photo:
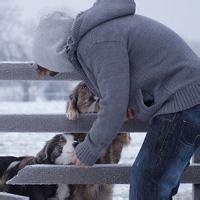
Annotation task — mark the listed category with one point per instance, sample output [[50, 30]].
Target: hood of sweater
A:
[[102, 11]]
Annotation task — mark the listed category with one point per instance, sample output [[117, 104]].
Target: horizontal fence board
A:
[[27, 71], [97, 174], [7, 196], [58, 123], [54, 174]]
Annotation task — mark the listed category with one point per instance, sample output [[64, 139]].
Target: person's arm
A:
[[109, 63]]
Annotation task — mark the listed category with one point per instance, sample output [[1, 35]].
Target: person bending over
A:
[[128, 60]]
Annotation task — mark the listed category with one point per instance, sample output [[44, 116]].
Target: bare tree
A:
[[14, 37]]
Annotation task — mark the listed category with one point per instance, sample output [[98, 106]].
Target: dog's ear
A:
[[51, 150], [43, 156], [72, 101], [5, 161], [73, 97]]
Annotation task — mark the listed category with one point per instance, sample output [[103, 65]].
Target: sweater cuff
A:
[[84, 153]]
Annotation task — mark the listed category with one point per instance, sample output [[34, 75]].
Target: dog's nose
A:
[[75, 143]]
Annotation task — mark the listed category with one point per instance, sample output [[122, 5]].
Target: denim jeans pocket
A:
[[161, 130], [161, 125], [172, 145], [190, 133], [191, 115], [169, 116]]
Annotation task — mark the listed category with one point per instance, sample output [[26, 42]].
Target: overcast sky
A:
[[183, 16]]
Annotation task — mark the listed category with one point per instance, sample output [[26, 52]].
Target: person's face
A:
[[43, 71]]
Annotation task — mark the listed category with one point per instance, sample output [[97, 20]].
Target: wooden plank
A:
[[7, 196], [192, 174], [97, 174], [58, 123], [196, 187], [27, 71], [54, 174]]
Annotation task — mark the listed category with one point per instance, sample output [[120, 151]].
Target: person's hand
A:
[[130, 114], [76, 161]]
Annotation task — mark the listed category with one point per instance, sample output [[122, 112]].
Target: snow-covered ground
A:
[[10, 144]]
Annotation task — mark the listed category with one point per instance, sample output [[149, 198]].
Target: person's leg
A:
[[175, 190], [170, 142]]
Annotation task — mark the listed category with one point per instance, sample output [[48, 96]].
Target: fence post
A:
[[196, 187]]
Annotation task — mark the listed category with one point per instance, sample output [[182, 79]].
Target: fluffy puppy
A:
[[83, 101]]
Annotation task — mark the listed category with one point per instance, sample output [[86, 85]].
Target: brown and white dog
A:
[[82, 101], [59, 150]]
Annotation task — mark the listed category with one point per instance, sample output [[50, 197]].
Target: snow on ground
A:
[[31, 143]]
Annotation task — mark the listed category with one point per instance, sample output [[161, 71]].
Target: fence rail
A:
[[46, 174], [58, 123], [27, 71], [97, 174], [6, 196]]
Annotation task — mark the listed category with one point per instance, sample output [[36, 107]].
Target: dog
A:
[[58, 150], [83, 101]]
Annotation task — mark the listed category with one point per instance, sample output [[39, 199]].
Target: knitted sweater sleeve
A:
[[109, 64]]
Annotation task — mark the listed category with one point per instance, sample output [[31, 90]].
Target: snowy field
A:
[[31, 143]]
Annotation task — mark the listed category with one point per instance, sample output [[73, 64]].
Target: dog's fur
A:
[[59, 150], [83, 101], [35, 192]]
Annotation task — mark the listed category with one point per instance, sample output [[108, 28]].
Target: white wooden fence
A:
[[56, 174]]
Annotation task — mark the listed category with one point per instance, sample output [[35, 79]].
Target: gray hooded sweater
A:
[[127, 60]]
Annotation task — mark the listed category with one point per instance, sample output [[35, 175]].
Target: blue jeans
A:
[[170, 142]]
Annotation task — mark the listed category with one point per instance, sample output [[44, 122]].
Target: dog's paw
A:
[[72, 115]]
